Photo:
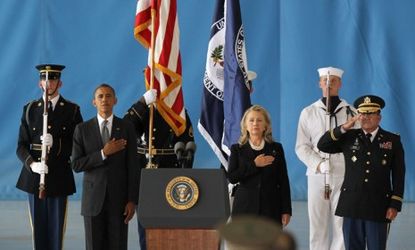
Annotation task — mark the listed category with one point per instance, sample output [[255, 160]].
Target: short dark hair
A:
[[104, 85]]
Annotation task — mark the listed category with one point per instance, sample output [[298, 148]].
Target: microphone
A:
[[190, 151], [178, 150]]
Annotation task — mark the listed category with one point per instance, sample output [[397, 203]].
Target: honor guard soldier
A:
[[372, 191], [164, 140], [325, 172], [48, 213]]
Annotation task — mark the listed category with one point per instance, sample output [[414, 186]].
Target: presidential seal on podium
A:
[[182, 193]]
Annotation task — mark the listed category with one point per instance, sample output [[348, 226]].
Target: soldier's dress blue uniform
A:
[[163, 142], [48, 215], [373, 182], [164, 137]]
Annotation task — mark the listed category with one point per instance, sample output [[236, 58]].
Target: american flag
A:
[[167, 60]]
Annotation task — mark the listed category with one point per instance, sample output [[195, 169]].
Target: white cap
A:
[[251, 75], [330, 70]]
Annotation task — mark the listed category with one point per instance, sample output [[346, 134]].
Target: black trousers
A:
[[106, 231]]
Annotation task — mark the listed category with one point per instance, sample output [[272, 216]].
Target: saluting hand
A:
[[113, 146], [263, 160], [350, 123]]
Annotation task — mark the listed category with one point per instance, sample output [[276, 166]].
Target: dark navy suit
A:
[[108, 185]]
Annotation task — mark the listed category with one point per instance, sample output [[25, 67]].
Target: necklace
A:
[[259, 147]]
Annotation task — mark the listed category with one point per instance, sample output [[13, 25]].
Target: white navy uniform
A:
[[313, 122]]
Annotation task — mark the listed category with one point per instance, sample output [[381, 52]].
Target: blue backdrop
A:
[[373, 41]]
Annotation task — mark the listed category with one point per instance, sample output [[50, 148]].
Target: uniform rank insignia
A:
[[354, 158], [355, 145], [386, 145]]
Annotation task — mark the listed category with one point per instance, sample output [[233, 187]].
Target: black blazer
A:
[[61, 125], [114, 180], [375, 172], [261, 191]]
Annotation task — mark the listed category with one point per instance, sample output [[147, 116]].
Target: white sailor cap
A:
[[330, 71]]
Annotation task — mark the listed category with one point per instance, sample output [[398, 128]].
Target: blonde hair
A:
[[268, 128]]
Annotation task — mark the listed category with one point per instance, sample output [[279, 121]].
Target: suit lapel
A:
[[94, 128], [361, 135], [268, 150], [116, 128], [248, 151], [379, 137], [59, 113], [60, 104]]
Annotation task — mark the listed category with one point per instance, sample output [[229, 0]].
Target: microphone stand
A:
[[183, 162]]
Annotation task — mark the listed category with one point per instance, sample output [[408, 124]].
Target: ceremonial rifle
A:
[[327, 189], [45, 149]]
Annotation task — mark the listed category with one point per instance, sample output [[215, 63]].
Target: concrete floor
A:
[[15, 231]]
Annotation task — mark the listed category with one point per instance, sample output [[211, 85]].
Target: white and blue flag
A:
[[226, 87]]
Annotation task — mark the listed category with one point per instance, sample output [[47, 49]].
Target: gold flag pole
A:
[[150, 129]]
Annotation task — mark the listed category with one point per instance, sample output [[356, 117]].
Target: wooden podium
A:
[[174, 223]]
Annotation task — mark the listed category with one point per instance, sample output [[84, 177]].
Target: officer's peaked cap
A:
[[369, 104], [52, 71]]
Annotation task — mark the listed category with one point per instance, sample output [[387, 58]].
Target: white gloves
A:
[[47, 140], [39, 168], [150, 96], [325, 167]]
